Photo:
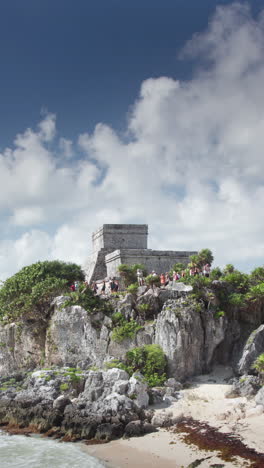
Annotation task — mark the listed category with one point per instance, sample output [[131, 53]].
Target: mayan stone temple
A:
[[114, 244]]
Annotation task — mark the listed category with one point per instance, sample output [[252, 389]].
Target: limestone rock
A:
[[188, 336], [126, 306], [246, 386], [137, 389], [253, 348], [259, 398], [72, 338]]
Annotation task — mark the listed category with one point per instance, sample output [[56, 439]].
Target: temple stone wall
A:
[[114, 244], [158, 260], [120, 236]]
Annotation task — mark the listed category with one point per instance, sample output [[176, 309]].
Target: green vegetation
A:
[[129, 272], [28, 293], [258, 365], [143, 310], [201, 259], [228, 288], [132, 288], [178, 267], [125, 330], [152, 280], [85, 298], [149, 360], [64, 387]]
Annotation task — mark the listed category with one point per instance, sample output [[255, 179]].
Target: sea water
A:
[[17, 451]]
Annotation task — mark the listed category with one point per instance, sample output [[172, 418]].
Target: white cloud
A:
[[190, 164]]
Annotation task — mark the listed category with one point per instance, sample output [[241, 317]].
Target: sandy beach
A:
[[205, 401]]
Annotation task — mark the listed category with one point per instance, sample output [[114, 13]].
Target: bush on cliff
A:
[[28, 293], [150, 360], [85, 297], [125, 330], [258, 365], [129, 272]]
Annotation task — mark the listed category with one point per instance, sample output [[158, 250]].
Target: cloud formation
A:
[[190, 163]]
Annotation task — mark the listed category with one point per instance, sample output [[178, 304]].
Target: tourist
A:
[[103, 288], [116, 286], [94, 287], [154, 273], [162, 279], [76, 285], [112, 286], [140, 277], [206, 270], [167, 279], [72, 287]]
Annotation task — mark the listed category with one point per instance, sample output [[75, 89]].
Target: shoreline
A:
[[204, 401], [209, 430]]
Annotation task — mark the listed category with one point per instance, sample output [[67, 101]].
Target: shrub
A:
[[258, 365], [132, 288], [29, 292], [237, 280], [256, 293], [178, 267], [215, 274], [229, 268], [152, 280], [129, 272], [236, 299], [64, 387], [203, 257], [85, 298], [143, 309], [126, 330], [150, 360], [117, 317], [257, 275]]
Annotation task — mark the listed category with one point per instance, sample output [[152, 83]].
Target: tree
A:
[[129, 272], [229, 268], [28, 293], [178, 267], [153, 280], [201, 259], [257, 275]]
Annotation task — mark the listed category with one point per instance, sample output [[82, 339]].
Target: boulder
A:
[[245, 386], [259, 398], [253, 348], [126, 306], [162, 419], [61, 402], [137, 389], [173, 384], [108, 431], [134, 429]]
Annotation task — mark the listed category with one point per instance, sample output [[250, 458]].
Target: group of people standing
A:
[[165, 278], [111, 285]]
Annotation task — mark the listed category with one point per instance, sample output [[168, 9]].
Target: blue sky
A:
[[85, 60], [128, 124]]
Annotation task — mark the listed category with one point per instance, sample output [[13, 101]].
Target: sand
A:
[[204, 401]]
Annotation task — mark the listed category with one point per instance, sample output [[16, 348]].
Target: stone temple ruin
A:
[[114, 244]]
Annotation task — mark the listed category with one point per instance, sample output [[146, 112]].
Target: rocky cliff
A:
[[192, 336], [75, 396]]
